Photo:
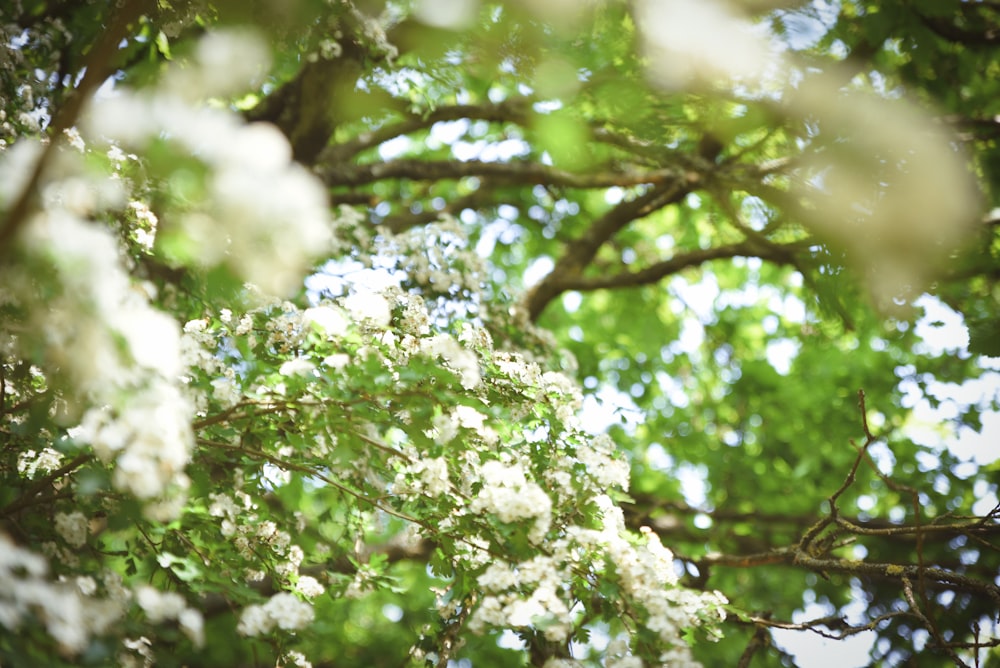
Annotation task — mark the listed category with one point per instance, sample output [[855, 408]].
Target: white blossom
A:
[[329, 320], [309, 586], [507, 494], [462, 361], [298, 366], [369, 308], [69, 615], [73, 528], [159, 605], [30, 462]]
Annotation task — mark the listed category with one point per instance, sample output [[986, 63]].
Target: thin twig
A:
[[931, 627], [760, 640]]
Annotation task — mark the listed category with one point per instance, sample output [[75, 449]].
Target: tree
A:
[[424, 333]]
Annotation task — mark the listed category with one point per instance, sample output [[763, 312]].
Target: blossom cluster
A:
[[393, 400], [115, 361], [117, 356], [162, 606], [254, 210], [475, 475], [283, 610], [248, 533], [509, 495], [70, 610]]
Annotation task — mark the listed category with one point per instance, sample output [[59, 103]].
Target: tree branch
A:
[[760, 640], [36, 487], [529, 173], [513, 110], [949, 31], [580, 252], [831, 622], [401, 222], [656, 272]]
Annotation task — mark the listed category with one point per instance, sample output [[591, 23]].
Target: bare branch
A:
[[938, 576], [832, 622], [929, 625], [760, 640]]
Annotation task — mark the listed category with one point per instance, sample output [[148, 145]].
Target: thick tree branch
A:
[[580, 252], [528, 173], [513, 110], [658, 271], [474, 200], [988, 36]]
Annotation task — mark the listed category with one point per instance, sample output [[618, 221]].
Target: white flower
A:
[[193, 625], [369, 308], [73, 528], [507, 494], [309, 586], [226, 62], [297, 659], [330, 320], [153, 338], [288, 612], [607, 471], [86, 585], [523, 612], [497, 577], [29, 463], [625, 662], [245, 326], [284, 610], [469, 417], [434, 475], [226, 391], [254, 621], [159, 606], [462, 361], [195, 326], [16, 168], [299, 366], [337, 361]]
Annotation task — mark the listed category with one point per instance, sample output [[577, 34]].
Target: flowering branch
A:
[[312, 472], [98, 66]]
